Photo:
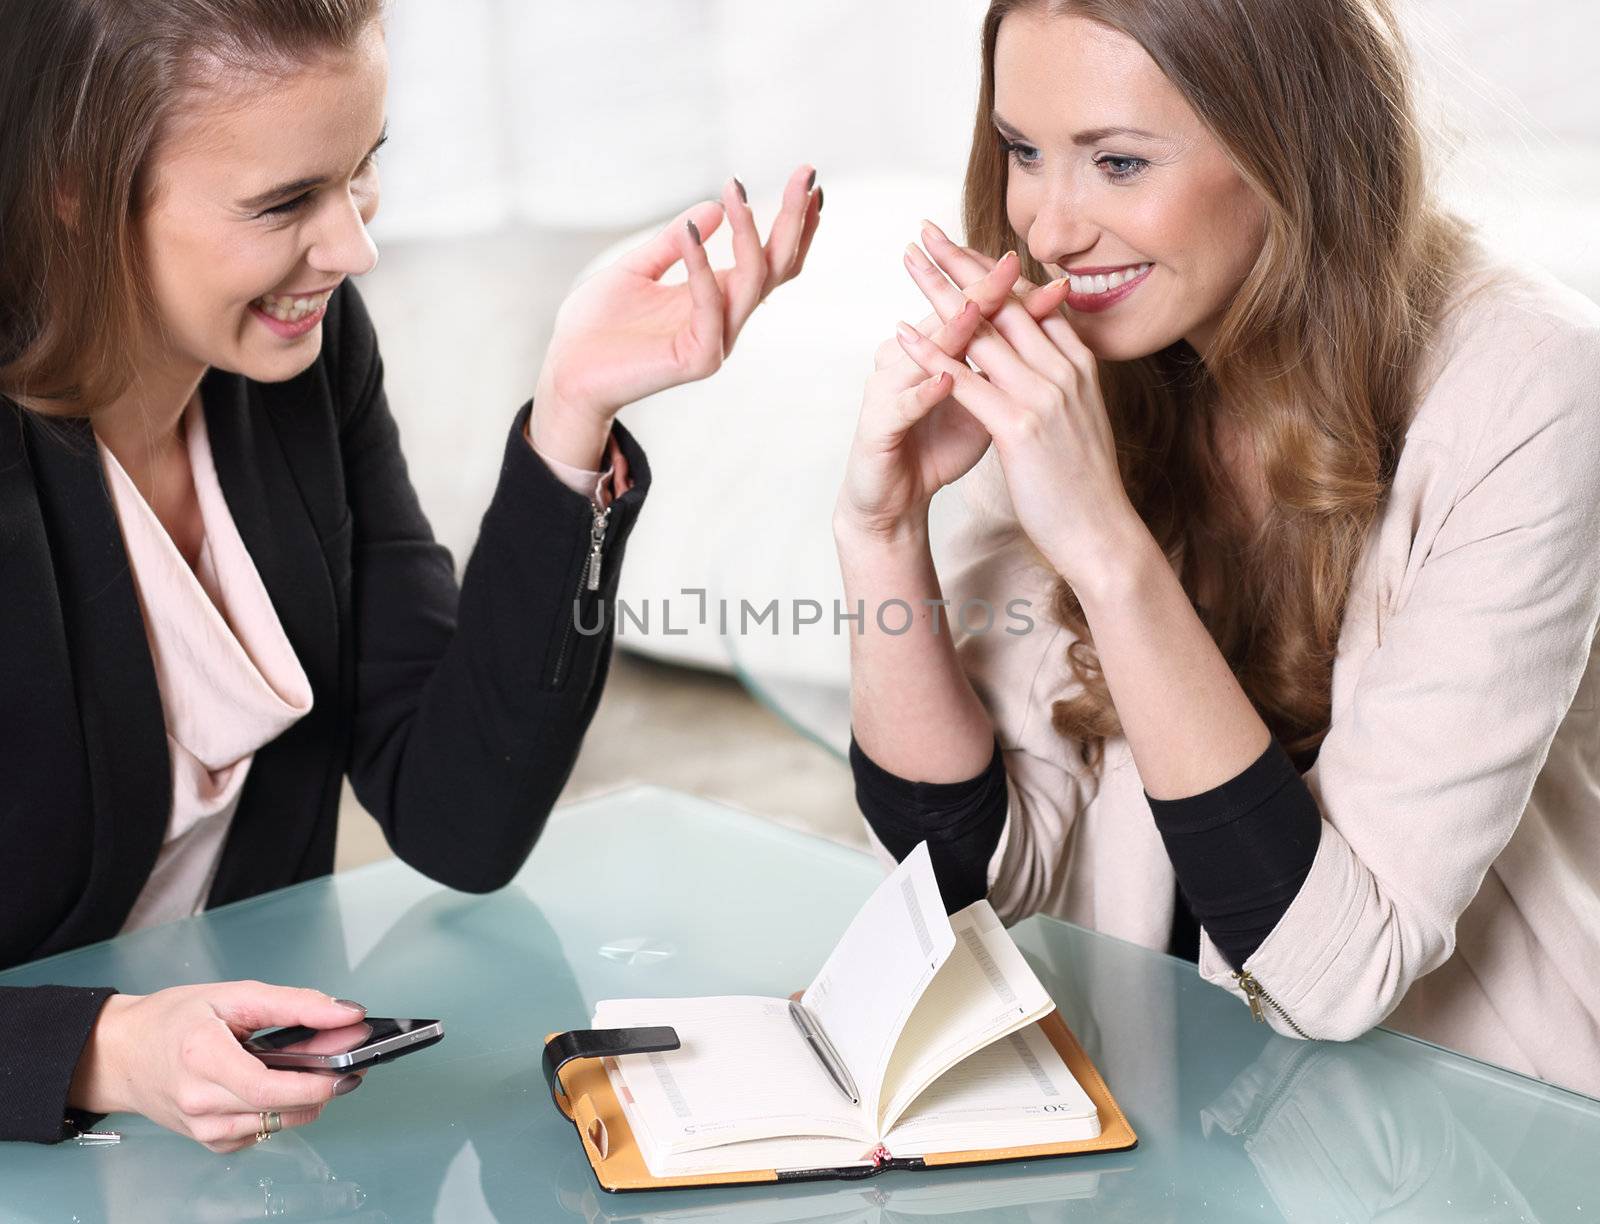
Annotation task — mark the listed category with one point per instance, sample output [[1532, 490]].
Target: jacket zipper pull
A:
[[597, 535], [1252, 992]]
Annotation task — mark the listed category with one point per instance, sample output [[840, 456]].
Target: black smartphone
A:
[[366, 1043]]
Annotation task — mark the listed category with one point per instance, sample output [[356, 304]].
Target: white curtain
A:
[[606, 114]]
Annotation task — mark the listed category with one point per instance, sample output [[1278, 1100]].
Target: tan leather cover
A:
[[619, 1165], [1115, 1133]]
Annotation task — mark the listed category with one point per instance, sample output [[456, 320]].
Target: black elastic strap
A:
[[600, 1043]]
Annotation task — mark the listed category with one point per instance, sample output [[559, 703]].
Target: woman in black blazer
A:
[[456, 715]]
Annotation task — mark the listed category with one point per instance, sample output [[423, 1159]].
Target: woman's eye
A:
[[299, 202], [1025, 156], [1120, 168], [288, 206]]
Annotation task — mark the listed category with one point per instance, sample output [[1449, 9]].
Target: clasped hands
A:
[[928, 416]]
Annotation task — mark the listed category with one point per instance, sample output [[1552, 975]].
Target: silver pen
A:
[[823, 1049]]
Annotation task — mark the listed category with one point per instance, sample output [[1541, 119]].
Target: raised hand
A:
[[1039, 399], [623, 335], [913, 438]]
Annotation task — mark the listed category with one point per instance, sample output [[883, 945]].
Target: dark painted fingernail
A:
[[819, 201], [346, 1085], [811, 180], [744, 196], [694, 232], [352, 1005]]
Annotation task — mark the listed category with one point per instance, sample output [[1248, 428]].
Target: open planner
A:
[[927, 1049]]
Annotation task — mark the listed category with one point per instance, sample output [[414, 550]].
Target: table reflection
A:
[[1350, 1132]]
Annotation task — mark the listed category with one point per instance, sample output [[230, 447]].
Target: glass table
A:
[[650, 892]]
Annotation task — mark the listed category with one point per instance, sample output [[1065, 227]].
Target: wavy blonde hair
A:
[[1317, 358]]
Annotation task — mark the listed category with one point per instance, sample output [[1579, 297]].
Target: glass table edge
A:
[[1472, 1060]]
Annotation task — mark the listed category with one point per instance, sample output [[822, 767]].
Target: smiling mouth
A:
[[291, 309], [1106, 282]]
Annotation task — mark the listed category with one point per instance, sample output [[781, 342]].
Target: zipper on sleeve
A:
[[597, 538], [588, 580], [1256, 994]]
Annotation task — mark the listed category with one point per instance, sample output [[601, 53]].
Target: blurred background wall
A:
[[530, 138]]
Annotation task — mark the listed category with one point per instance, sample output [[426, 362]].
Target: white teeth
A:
[[1104, 283]]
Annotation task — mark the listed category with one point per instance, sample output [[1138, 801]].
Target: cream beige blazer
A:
[[1455, 894]]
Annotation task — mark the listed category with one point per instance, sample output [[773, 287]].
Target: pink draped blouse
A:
[[227, 674]]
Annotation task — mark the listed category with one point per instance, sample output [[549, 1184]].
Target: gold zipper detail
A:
[[1256, 994]]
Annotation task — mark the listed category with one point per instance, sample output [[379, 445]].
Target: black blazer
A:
[[456, 714]]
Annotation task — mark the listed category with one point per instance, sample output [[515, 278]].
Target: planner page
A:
[[877, 972], [788, 1153], [1013, 1093], [982, 992], [743, 1072]]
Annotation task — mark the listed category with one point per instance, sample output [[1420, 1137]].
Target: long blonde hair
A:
[[1317, 357]]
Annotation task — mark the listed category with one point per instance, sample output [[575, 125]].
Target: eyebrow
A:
[[296, 186], [1087, 137]]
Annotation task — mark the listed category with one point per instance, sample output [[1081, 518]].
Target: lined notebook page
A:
[[982, 992], [877, 972], [743, 1072]]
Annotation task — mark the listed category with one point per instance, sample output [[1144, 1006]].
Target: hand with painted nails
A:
[[1038, 397], [623, 335], [175, 1057], [913, 437]]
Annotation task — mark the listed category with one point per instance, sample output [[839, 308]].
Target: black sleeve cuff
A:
[[1242, 849], [43, 1030], [531, 498], [544, 498], [960, 821]]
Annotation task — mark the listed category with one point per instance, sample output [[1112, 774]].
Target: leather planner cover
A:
[[582, 1091]]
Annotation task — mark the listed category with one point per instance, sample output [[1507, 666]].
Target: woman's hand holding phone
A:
[[623, 335], [175, 1057]]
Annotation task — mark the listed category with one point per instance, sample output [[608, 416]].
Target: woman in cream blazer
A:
[[1417, 842]]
